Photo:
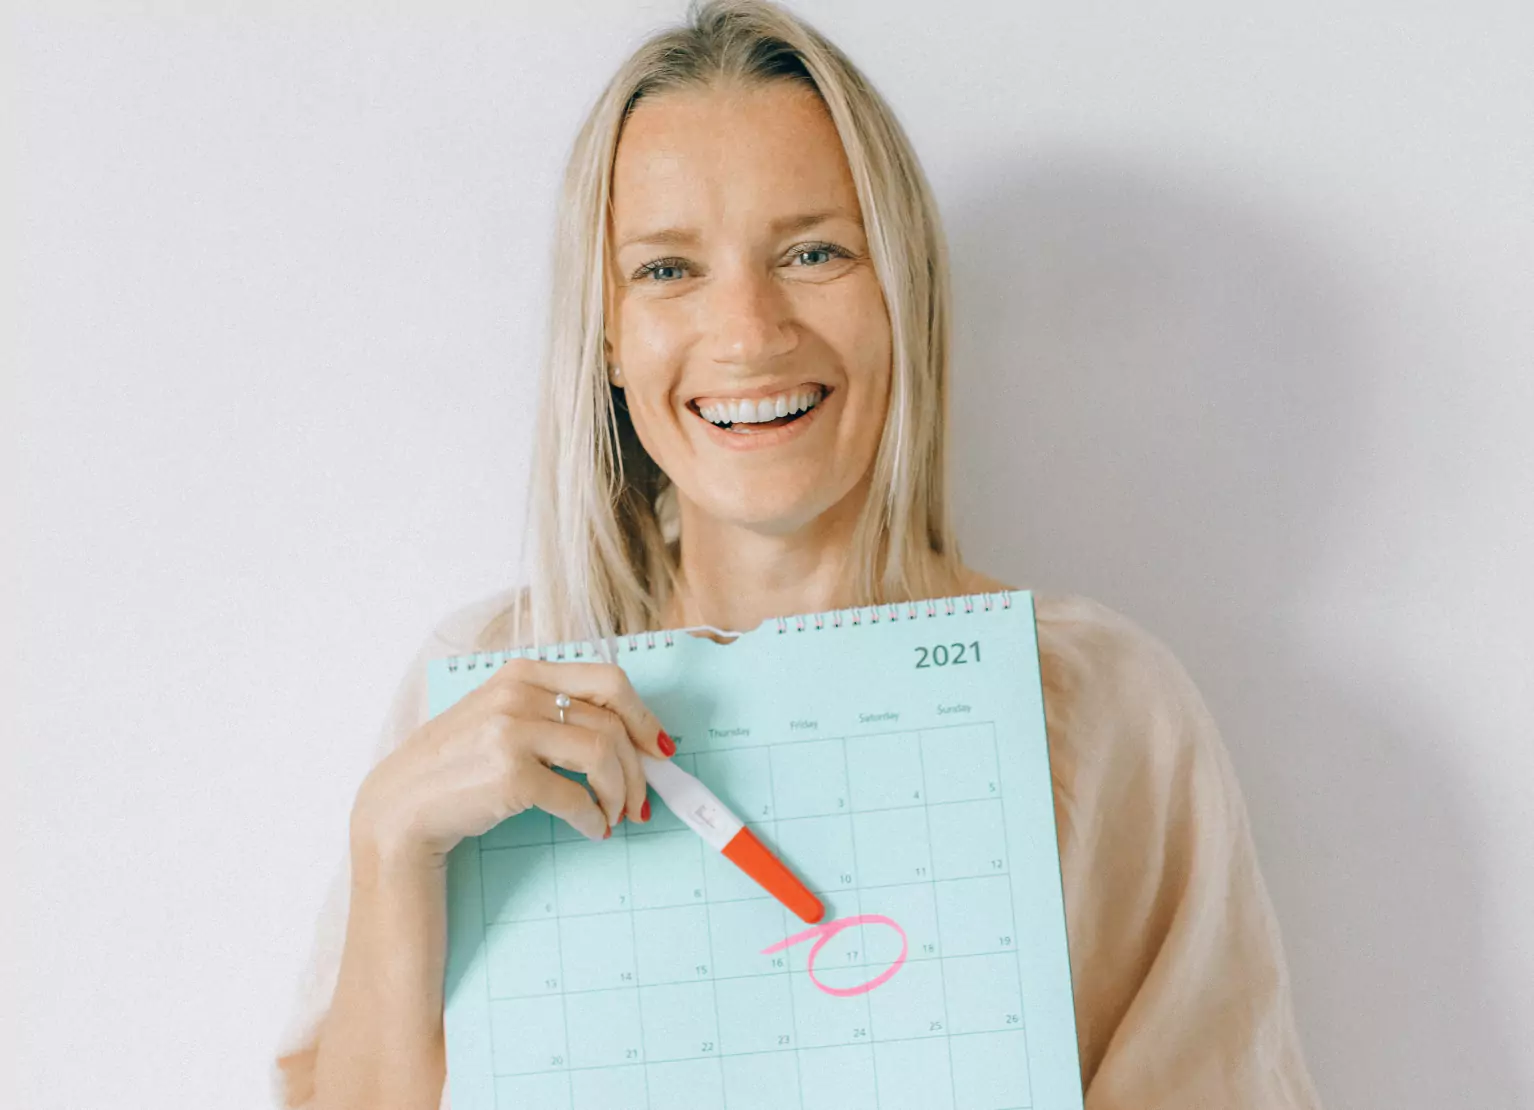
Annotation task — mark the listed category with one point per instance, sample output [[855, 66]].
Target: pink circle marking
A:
[[828, 929]]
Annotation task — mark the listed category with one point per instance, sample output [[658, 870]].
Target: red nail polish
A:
[[608, 833], [667, 745], [644, 810]]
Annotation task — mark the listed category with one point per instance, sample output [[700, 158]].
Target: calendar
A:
[[895, 758]]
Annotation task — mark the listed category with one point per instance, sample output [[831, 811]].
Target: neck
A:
[[733, 577]]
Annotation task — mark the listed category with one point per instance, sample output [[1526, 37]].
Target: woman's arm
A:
[[380, 1045], [369, 908], [1181, 985]]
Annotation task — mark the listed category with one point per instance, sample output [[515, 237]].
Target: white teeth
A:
[[759, 412]]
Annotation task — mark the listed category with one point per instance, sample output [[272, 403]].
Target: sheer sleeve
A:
[[1181, 987], [463, 630]]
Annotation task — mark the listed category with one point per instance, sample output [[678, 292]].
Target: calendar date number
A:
[[947, 655]]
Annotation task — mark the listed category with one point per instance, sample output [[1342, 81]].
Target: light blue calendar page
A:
[[900, 766]]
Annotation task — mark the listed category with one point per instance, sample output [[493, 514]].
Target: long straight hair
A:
[[602, 516]]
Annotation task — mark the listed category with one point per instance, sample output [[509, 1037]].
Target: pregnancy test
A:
[[707, 816]]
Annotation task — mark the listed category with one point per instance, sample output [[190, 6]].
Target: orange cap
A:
[[749, 854]]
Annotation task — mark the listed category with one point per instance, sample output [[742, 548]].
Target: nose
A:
[[748, 318]]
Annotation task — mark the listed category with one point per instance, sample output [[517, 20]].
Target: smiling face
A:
[[743, 310]]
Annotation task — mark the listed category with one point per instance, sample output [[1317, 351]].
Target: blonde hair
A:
[[601, 513]]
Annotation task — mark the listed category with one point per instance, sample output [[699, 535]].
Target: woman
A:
[[742, 417]]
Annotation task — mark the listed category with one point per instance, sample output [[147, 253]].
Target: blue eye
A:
[[819, 249], [649, 269], [663, 264]]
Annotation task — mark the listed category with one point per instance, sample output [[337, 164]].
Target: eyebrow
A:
[[686, 236]]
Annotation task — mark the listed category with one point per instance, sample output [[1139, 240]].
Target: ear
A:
[[614, 374]]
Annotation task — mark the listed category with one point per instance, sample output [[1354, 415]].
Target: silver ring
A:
[[561, 702]]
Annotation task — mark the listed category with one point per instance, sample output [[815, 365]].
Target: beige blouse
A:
[[1181, 987]]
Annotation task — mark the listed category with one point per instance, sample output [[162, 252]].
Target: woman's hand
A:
[[488, 756]]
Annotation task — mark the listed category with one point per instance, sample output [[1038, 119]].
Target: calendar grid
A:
[[847, 771], [564, 1010], [713, 985], [792, 820], [845, 812], [1022, 999], [741, 1054], [788, 968], [863, 966], [938, 918], [628, 871], [785, 744], [737, 901]]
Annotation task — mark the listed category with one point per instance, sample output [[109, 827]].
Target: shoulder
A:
[[1127, 725], [1095, 658], [479, 624], [1101, 666], [485, 622], [1175, 951]]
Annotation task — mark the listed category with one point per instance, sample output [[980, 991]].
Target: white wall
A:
[[1245, 351]]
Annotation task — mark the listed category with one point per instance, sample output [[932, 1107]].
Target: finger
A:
[[592, 753], [609, 724], [604, 721], [602, 684], [567, 800], [636, 788], [528, 703]]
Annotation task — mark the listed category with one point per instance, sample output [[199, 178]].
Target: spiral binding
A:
[[891, 611], [809, 622]]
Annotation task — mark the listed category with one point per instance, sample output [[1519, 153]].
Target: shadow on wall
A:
[[1182, 392]]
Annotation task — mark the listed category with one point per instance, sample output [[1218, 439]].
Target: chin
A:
[[774, 514]]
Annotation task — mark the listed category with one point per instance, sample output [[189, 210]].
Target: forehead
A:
[[709, 157]]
